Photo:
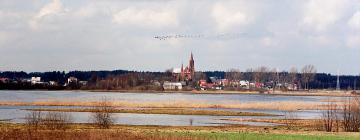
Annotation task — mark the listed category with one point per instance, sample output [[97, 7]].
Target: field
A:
[[124, 132]]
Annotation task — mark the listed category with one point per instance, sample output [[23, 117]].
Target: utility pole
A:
[[338, 82]]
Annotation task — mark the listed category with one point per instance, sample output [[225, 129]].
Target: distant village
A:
[[232, 79], [185, 78]]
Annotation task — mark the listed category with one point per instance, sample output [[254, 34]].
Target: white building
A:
[[172, 85], [72, 80], [35, 80], [244, 84], [52, 83]]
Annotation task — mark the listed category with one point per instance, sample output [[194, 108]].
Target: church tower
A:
[[192, 66]]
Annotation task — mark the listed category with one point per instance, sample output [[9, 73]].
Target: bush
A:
[[51, 120], [330, 117], [57, 120], [290, 118], [102, 115], [351, 114], [33, 120]]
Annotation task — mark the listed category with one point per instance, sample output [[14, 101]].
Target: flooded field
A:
[[17, 113]]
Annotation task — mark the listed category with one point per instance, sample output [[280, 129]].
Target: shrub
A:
[[51, 120], [351, 114], [102, 115]]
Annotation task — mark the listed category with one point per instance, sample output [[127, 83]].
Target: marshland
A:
[[170, 115]]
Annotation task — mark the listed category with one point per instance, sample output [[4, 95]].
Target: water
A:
[[30, 96], [17, 113]]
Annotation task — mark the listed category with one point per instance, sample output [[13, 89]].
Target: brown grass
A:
[[172, 111], [12, 133], [281, 105]]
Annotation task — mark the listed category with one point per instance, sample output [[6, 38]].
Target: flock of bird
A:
[[199, 36]]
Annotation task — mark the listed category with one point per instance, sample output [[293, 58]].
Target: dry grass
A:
[[10, 133], [281, 105], [172, 111], [124, 132]]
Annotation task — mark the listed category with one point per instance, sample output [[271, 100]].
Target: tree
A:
[[293, 72], [308, 74], [260, 74], [102, 115], [233, 74]]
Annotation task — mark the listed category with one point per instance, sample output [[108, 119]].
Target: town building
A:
[[72, 80], [172, 85], [36, 80], [4, 80]]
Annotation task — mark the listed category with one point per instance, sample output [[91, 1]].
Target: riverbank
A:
[[267, 105], [169, 111], [283, 93]]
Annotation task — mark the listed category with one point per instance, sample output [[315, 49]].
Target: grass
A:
[[86, 131], [172, 111], [280, 105], [259, 136]]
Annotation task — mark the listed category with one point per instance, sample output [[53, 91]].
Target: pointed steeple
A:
[[191, 56]]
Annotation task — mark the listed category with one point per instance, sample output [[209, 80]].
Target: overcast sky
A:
[[46, 35]]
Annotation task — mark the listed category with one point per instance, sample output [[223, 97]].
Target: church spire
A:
[[191, 57]]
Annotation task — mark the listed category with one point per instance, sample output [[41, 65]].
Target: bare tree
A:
[[33, 120], [51, 120], [351, 114], [102, 115], [233, 74], [200, 76], [274, 77], [329, 116], [308, 74], [260, 74], [293, 72], [57, 120], [290, 118]]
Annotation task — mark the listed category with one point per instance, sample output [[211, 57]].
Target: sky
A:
[[48, 35]]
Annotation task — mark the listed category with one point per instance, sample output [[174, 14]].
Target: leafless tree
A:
[[329, 118], [351, 114], [233, 74], [200, 76], [260, 74], [290, 118], [51, 120], [274, 77], [102, 115], [57, 120], [33, 120], [293, 72], [308, 74]]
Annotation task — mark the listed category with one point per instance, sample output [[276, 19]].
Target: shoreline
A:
[[216, 92], [169, 111]]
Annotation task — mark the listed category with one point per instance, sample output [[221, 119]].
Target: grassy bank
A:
[[272, 105], [125, 132], [257, 136], [171, 111]]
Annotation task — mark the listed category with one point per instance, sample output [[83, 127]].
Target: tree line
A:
[[306, 78]]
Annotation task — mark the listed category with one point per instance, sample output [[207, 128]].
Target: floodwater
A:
[[17, 113]]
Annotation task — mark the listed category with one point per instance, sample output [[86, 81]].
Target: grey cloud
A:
[[110, 34]]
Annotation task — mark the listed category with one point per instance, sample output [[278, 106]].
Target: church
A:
[[187, 73]]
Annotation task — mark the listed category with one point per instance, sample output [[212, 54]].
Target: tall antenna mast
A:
[[338, 82]]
